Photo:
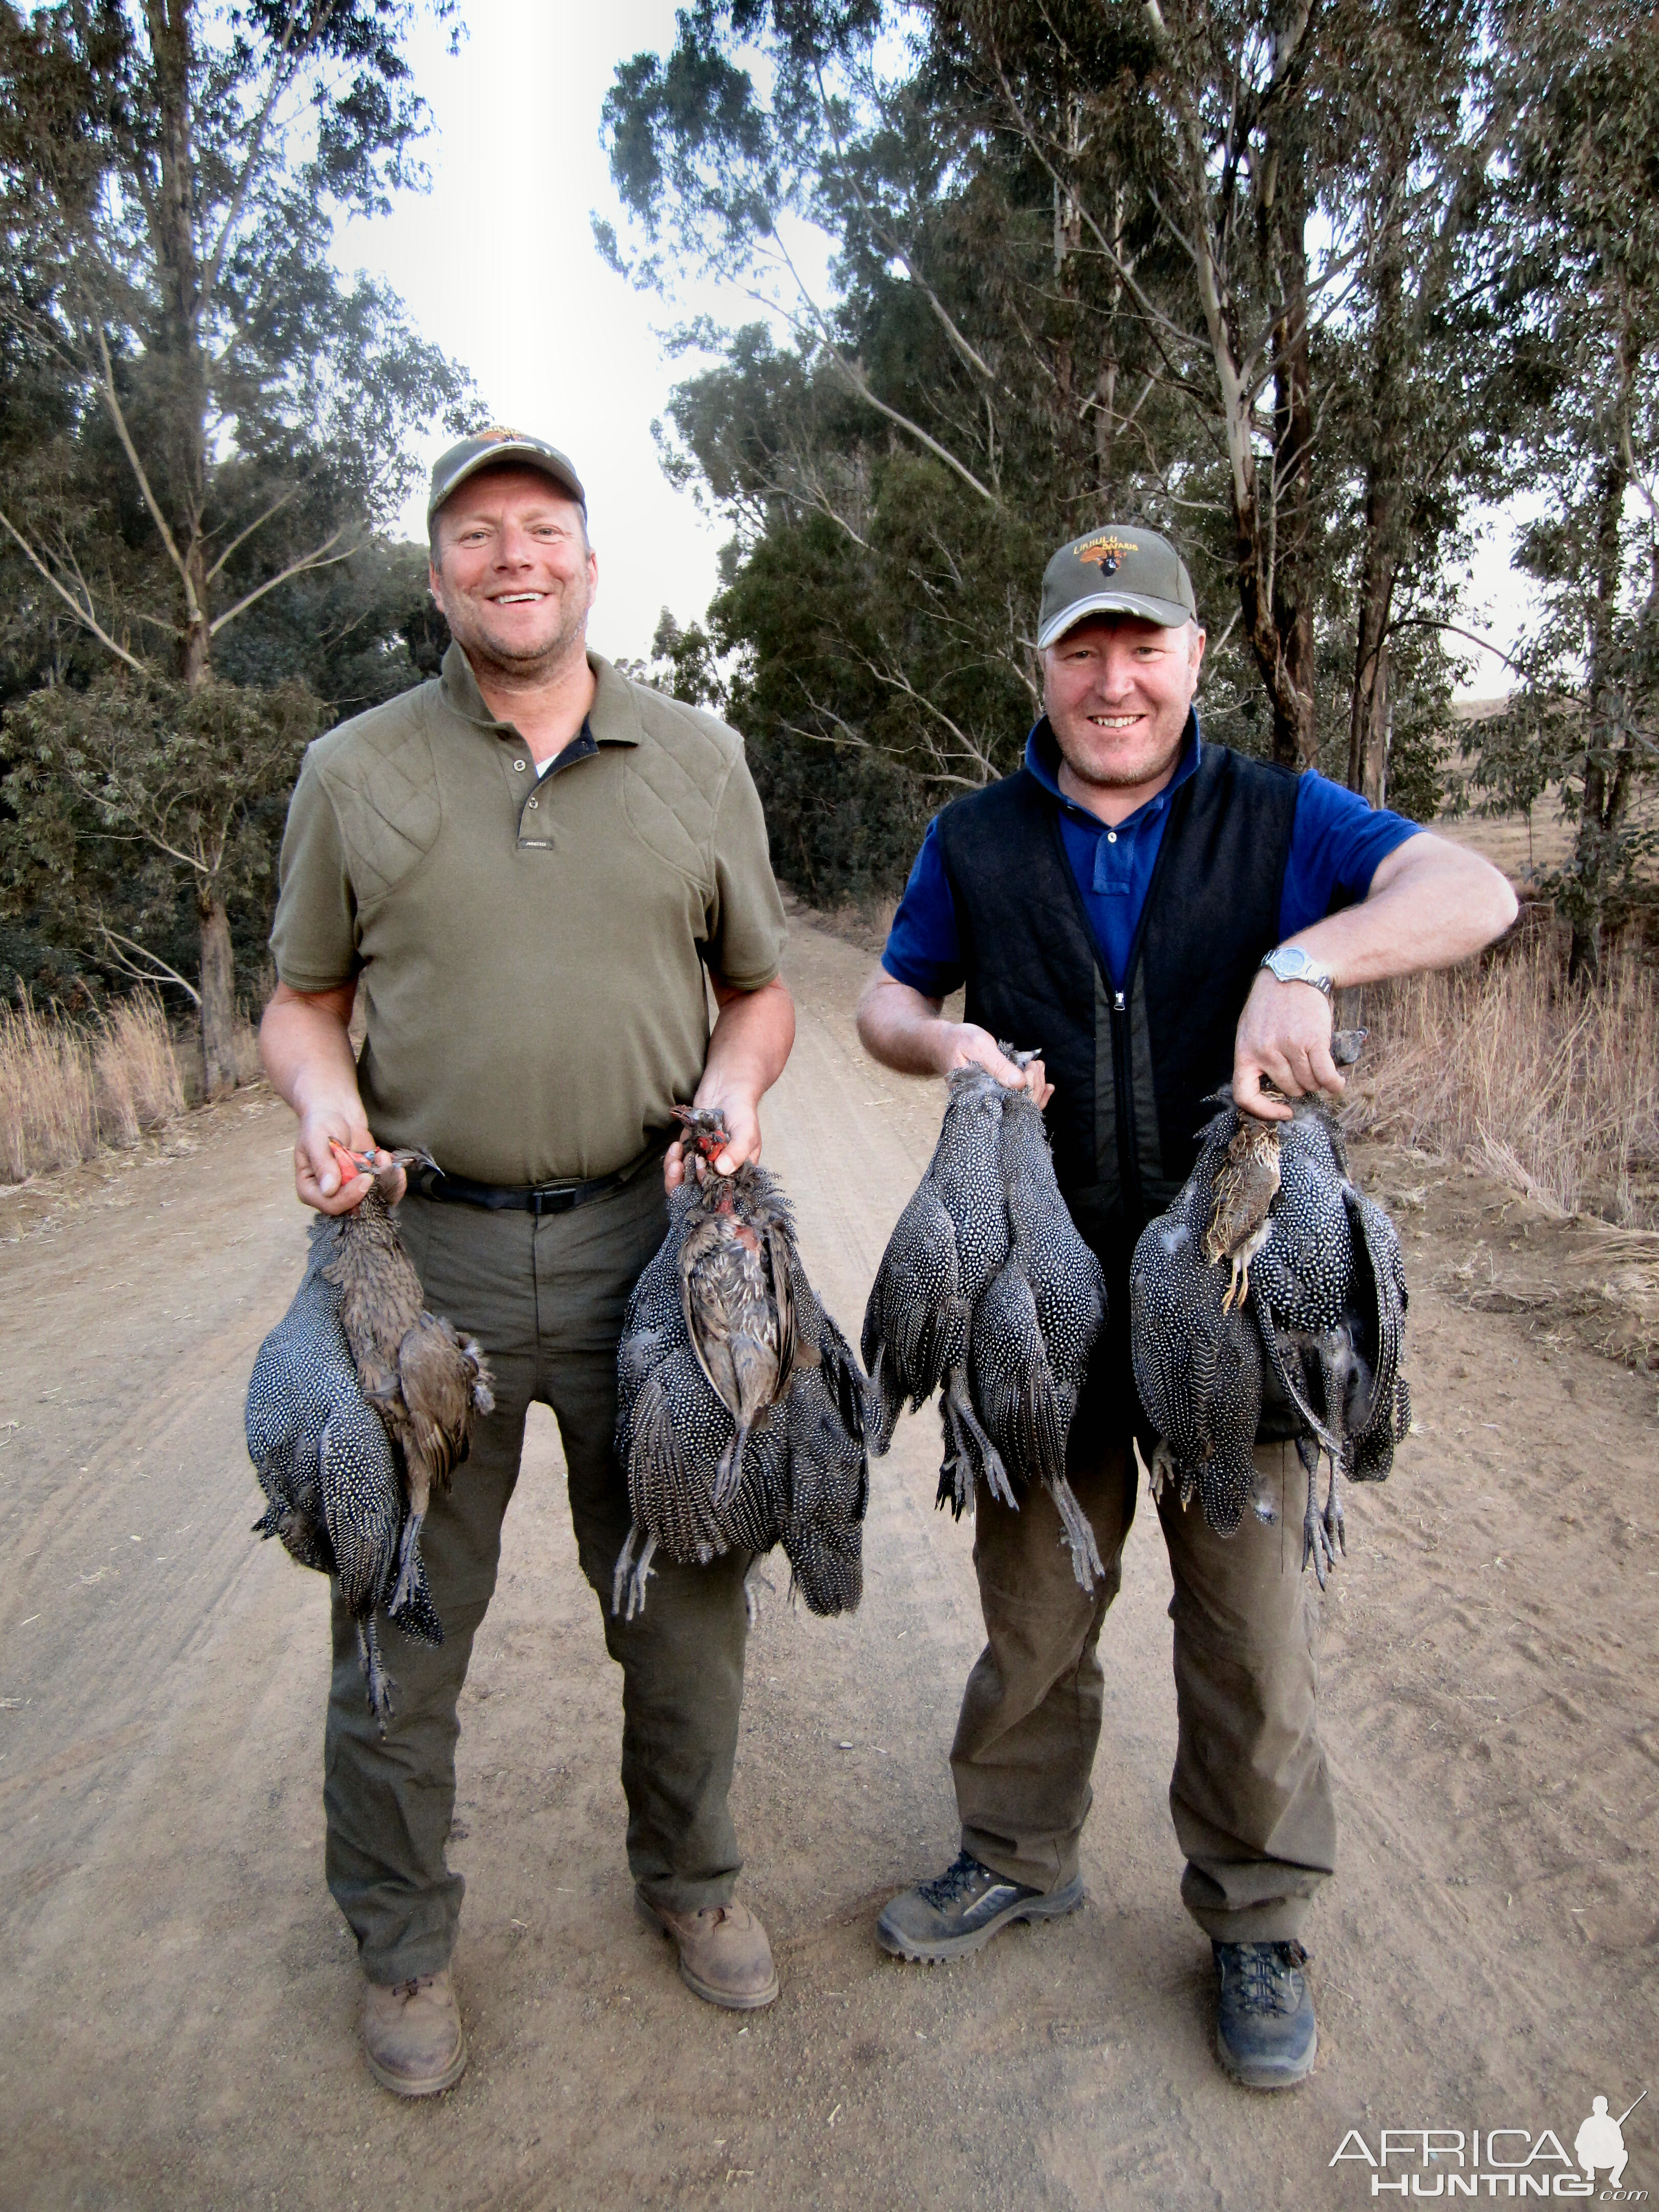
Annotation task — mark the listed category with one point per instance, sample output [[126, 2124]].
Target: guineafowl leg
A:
[[409, 1562], [982, 1452], [1316, 1537], [632, 1574], [380, 1685], [1335, 1521], [1086, 1563]]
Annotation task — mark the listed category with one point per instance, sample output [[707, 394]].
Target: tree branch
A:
[[320, 557], [118, 418], [157, 972], [83, 615]]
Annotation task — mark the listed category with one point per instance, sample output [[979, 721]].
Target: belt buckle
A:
[[553, 1201]]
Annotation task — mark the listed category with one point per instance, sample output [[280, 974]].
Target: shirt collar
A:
[[613, 719], [1042, 760]]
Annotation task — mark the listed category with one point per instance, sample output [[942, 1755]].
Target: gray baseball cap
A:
[[1118, 569], [488, 449]]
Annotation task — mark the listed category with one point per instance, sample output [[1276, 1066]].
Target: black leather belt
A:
[[534, 1197]]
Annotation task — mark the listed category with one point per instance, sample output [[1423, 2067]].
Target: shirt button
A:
[[532, 806], [518, 763], [1111, 837]]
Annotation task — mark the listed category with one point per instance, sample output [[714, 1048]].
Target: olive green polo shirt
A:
[[529, 951]]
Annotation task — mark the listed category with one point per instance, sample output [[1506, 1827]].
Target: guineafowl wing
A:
[[829, 1493], [1012, 1386], [362, 1504], [1377, 1318], [916, 1320]]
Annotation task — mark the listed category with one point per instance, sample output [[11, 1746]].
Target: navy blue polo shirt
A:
[[1336, 842]]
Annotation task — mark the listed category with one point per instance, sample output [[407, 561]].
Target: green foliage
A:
[[123, 795], [1034, 205]]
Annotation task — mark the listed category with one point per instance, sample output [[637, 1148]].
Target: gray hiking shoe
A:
[[1265, 2032], [962, 1909]]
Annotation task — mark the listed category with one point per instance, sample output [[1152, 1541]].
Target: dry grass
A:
[[64, 1088], [1552, 1090]]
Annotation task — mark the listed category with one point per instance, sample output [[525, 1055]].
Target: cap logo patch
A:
[[495, 435], [1108, 551]]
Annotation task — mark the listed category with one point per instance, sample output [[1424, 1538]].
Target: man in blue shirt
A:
[[1154, 912]]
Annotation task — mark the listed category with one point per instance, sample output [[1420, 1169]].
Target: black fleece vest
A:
[[1130, 1069]]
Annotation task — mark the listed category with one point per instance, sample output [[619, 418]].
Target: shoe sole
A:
[[401, 2086], [1277, 2078], [921, 1953], [728, 2000]]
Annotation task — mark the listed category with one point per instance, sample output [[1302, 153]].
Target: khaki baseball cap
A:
[[1119, 569], [487, 449]]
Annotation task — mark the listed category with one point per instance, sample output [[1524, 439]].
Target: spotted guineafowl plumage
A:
[[987, 1293], [425, 1380], [741, 1414], [1301, 1310], [328, 1469]]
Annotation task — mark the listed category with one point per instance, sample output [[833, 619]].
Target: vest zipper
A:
[[1128, 1152]]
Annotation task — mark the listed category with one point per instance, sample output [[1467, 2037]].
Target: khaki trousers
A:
[[545, 1299], [1250, 1794]]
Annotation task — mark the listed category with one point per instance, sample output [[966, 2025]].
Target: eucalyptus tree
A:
[[230, 417]]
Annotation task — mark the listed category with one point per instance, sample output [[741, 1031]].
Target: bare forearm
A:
[[749, 1045], [306, 1046], [1432, 904], [909, 1033]]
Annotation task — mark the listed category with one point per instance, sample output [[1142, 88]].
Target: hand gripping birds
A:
[[987, 1293], [742, 1413], [359, 1403], [1308, 1320]]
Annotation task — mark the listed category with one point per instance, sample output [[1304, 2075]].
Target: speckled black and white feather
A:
[[1319, 1338], [328, 1471], [987, 1293], [800, 1473]]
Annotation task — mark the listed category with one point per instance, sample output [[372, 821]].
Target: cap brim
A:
[[527, 457], [1169, 614]]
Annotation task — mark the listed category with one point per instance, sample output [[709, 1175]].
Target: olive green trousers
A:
[[545, 1299], [1250, 1793]]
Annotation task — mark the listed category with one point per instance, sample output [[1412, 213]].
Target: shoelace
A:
[[1265, 1971], [962, 1876]]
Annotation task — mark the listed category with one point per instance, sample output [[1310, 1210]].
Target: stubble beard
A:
[[527, 671], [1125, 779]]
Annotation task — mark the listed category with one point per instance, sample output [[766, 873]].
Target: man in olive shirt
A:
[[526, 869]]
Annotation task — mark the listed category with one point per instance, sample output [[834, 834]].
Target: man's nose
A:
[[1114, 676], [514, 547]]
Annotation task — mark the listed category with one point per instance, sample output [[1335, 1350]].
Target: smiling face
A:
[[1117, 689], [513, 572]]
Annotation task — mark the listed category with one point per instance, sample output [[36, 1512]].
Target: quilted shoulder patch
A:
[[676, 777], [382, 777]]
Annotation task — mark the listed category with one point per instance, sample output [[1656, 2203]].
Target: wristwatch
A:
[[1291, 964]]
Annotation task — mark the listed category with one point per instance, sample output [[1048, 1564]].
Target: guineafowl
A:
[[987, 1293], [327, 1466], [425, 1380], [1309, 1319], [741, 1414]]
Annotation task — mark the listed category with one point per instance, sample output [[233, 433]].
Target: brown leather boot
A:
[[724, 1954], [412, 2035]]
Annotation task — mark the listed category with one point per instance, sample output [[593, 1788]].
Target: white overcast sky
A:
[[497, 265]]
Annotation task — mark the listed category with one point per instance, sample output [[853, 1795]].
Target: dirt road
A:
[[179, 1994]]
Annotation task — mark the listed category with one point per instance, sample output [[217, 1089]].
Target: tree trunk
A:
[[1296, 737], [1597, 842], [218, 1002], [172, 218], [1368, 711]]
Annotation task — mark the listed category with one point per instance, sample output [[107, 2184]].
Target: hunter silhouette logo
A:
[[1512, 2160], [1108, 551]]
